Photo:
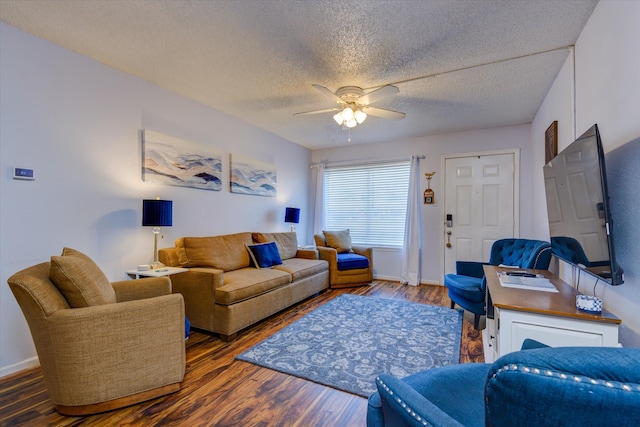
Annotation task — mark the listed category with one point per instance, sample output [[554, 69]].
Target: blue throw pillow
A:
[[264, 255]]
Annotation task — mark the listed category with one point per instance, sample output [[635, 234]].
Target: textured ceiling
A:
[[257, 60]]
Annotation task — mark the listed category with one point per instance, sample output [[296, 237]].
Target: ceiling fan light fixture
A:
[[350, 123], [347, 114], [338, 118], [360, 116]]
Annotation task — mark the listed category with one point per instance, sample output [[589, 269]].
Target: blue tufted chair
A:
[[467, 287], [571, 250], [568, 386]]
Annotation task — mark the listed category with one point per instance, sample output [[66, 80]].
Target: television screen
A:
[[580, 223]]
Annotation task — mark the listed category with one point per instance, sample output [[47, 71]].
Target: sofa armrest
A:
[[470, 268], [307, 253], [114, 350], [198, 286], [364, 251], [130, 290], [328, 254]]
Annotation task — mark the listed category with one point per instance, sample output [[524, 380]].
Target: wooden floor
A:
[[220, 391]]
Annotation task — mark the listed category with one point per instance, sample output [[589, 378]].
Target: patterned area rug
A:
[[348, 341]]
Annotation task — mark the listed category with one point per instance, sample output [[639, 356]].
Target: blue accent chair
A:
[[467, 287], [571, 250], [567, 386]]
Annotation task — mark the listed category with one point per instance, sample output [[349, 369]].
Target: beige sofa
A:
[[224, 293]]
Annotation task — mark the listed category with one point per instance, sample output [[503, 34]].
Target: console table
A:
[[551, 318]]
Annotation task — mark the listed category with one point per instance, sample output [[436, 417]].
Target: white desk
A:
[[550, 318]]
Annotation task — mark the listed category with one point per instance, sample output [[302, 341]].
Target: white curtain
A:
[[318, 214], [411, 252]]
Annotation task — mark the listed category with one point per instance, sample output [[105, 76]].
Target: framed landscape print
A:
[[249, 176], [173, 161]]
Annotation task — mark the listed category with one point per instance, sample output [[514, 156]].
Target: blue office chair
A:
[[568, 386], [467, 287]]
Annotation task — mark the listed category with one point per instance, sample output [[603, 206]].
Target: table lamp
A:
[[156, 213], [292, 216]]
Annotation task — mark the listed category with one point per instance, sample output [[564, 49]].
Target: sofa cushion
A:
[[80, 280], [339, 240], [245, 283], [352, 261], [287, 242], [264, 255], [299, 268], [226, 252]]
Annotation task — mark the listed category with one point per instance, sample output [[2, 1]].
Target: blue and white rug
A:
[[348, 341]]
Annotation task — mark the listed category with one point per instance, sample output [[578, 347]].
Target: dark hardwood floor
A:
[[220, 391]]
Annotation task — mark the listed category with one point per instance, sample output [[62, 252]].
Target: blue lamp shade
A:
[[157, 213], [292, 215]]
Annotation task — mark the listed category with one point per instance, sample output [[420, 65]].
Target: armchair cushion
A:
[[469, 288], [80, 280], [352, 261], [339, 240]]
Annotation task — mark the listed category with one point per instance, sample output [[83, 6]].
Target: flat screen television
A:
[[580, 222]]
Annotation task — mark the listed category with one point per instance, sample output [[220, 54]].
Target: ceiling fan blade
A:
[[326, 92], [326, 110], [378, 94], [385, 114]]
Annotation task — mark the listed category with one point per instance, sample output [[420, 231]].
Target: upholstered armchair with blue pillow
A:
[[349, 265], [568, 386], [467, 287]]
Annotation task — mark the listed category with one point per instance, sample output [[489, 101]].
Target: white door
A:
[[480, 197]]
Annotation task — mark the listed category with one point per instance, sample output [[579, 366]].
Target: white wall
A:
[[607, 92], [387, 262], [77, 123]]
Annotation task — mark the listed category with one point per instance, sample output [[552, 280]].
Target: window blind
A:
[[369, 200]]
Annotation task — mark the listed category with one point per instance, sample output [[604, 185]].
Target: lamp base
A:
[[156, 264]]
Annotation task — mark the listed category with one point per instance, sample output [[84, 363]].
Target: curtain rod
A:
[[362, 163]]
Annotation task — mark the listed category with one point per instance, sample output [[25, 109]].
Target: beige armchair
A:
[[101, 355], [332, 244]]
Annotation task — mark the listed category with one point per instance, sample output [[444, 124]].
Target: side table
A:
[[156, 272]]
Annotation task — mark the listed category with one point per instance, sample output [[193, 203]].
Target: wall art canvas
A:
[[173, 161], [250, 176]]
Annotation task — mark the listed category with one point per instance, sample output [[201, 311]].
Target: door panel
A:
[[479, 193]]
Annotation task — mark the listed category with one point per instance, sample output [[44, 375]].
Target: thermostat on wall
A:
[[23, 173]]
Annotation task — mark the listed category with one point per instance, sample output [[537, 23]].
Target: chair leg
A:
[[453, 304], [476, 321]]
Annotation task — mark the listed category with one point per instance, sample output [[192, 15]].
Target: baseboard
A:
[[397, 279], [29, 363]]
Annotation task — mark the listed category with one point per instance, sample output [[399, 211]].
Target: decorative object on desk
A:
[[173, 161], [157, 213], [144, 267], [292, 216], [250, 176], [429, 196], [349, 340], [589, 303], [551, 142]]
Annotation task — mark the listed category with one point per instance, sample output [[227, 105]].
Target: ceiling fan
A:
[[354, 105]]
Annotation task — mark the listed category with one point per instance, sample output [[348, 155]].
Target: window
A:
[[369, 200]]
